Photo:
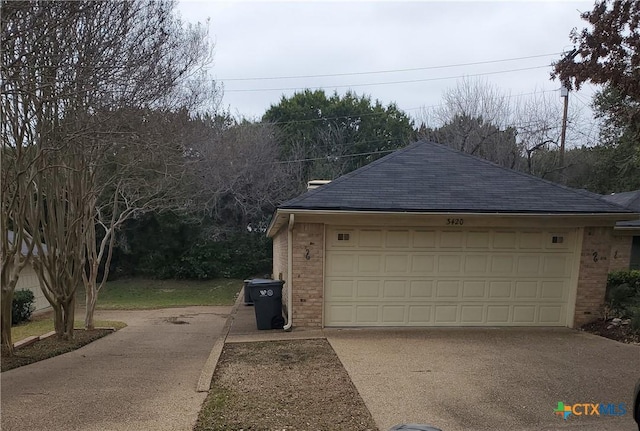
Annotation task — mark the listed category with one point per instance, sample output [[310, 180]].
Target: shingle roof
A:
[[629, 200], [429, 177]]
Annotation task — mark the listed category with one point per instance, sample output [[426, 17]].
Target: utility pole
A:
[[564, 93]]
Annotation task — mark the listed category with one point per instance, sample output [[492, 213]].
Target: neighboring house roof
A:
[[429, 177], [629, 200], [24, 249]]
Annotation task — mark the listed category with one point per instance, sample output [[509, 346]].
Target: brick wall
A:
[[308, 257], [280, 262], [620, 257], [592, 278]]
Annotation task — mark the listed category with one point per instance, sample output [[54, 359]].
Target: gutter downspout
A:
[[289, 324]]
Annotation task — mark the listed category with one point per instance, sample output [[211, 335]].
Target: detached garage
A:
[[428, 236]]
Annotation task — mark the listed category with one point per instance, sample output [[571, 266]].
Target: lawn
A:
[[143, 294], [42, 324]]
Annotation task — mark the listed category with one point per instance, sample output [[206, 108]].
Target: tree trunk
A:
[[91, 295], [7, 343], [69, 315]]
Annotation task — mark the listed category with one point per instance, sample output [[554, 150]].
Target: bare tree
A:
[[67, 95], [237, 173], [475, 118], [538, 120]]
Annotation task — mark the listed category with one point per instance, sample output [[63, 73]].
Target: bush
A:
[[22, 306], [623, 295]]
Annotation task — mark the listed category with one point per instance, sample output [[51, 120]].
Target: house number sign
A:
[[455, 222]]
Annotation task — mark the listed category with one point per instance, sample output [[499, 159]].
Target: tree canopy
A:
[[327, 131]]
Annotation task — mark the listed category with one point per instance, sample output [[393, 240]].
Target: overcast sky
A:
[[291, 39]]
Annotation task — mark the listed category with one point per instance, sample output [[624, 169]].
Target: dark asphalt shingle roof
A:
[[629, 200], [429, 177]]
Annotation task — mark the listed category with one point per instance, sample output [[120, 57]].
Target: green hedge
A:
[[22, 306]]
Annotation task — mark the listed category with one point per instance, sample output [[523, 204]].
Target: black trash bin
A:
[[267, 302], [247, 293]]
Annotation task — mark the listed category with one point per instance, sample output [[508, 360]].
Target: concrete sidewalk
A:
[[143, 377], [244, 328]]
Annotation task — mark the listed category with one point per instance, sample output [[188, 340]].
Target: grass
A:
[[143, 294], [132, 294], [42, 324]]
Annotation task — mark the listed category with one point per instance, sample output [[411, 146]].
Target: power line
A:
[[336, 157], [409, 81], [326, 75], [371, 114]]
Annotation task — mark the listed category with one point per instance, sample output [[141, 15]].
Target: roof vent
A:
[[314, 184]]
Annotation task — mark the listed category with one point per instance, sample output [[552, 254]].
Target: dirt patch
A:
[[50, 347], [282, 385], [605, 328]]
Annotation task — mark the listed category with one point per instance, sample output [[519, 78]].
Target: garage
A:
[[429, 236], [428, 277]]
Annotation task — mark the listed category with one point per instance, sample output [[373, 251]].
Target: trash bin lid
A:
[[265, 282]]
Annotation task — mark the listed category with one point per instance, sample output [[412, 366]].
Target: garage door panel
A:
[[478, 239], [501, 264], [504, 240], [528, 265], [370, 238], [499, 289], [424, 239], [422, 263], [396, 263], [524, 314], [425, 277], [339, 263], [393, 314], [530, 241], [448, 264], [367, 314], [368, 289], [526, 290], [420, 289], [446, 314], [475, 264], [419, 314], [451, 239], [447, 289], [472, 314], [474, 290], [394, 289], [398, 239], [340, 289], [553, 290], [551, 314]]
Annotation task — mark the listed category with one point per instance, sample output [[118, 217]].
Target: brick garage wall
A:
[[280, 262], [620, 257], [592, 278], [308, 258]]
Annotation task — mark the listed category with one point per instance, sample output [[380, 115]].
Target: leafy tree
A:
[[326, 131], [608, 53]]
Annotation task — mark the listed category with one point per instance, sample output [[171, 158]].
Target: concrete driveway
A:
[[143, 377], [488, 379]]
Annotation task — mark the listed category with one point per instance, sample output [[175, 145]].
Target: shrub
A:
[[623, 295], [22, 306]]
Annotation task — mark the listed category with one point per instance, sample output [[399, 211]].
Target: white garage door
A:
[[423, 277]]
